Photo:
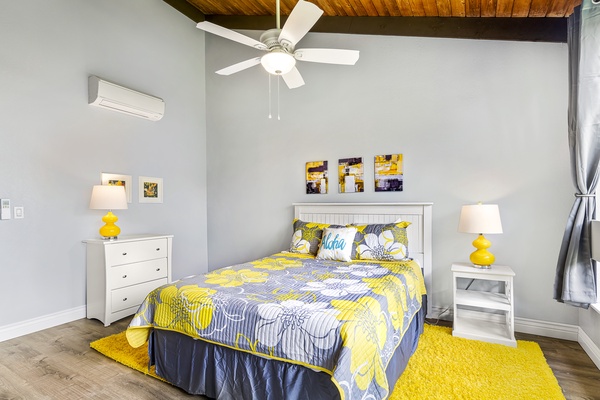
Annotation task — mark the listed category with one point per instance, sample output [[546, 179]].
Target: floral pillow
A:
[[382, 242], [337, 244], [306, 237]]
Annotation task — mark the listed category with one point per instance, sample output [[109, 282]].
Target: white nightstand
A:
[[484, 315], [120, 273]]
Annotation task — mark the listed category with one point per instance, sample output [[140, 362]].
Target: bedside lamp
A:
[[480, 219], [106, 197]]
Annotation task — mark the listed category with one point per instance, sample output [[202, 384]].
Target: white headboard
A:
[[418, 214]]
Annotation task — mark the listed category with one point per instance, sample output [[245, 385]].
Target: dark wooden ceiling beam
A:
[[514, 29], [186, 9]]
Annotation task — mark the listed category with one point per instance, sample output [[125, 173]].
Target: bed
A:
[[309, 322]]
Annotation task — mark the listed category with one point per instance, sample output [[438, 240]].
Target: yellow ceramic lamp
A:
[[480, 219], [107, 197]]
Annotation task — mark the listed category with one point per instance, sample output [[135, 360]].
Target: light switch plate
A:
[[19, 212]]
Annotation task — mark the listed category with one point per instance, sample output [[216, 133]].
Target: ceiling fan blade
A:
[[293, 79], [328, 56], [301, 19], [231, 35], [232, 69]]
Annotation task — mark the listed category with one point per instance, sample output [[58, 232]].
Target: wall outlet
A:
[[19, 212]]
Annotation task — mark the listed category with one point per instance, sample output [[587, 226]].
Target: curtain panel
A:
[[575, 282]]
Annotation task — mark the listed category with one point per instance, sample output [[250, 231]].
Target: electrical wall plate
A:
[[4, 208], [19, 212]]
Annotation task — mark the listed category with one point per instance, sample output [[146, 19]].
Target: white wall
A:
[[54, 146], [589, 323], [475, 120]]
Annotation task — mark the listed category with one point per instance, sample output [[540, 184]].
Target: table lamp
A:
[[108, 197], [480, 219]]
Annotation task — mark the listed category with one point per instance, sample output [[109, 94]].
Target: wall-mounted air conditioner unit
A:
[[118, 98]]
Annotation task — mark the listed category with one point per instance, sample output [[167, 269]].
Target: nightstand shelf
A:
[[482, 315]]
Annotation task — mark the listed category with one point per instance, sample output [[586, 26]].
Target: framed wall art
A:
[[316, 177], [389, 174], [350, 172], [151, 190], [118, 180]]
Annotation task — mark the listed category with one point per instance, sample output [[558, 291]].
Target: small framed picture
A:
[[151, 190], [350, 172], [118, 180], [389, 174], [316, 177]]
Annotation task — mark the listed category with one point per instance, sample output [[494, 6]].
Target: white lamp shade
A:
[[480, 218], [278, 62], [108, 197]]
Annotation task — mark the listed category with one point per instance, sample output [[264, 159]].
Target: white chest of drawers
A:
[[120, 273]]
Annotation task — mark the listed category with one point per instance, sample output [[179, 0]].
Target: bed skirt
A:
[[222, 373]]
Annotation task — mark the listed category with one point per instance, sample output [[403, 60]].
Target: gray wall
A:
[[54, 146], [475, 120]]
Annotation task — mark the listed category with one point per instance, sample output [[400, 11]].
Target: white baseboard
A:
[[590, 347], [548, 329], [40, 323]]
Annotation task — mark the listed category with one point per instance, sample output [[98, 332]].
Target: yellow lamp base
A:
[[110, 230], [481, 257]]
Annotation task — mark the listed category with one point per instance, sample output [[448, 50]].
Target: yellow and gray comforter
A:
[[345, 319]]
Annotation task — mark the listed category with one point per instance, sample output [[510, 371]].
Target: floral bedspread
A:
[[345, 319]]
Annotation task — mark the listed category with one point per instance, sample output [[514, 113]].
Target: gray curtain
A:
[[575, 282]]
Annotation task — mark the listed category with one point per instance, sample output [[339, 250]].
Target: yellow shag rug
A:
[[443, 367]]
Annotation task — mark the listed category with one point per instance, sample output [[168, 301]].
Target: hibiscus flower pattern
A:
[[381, 247], [231, 277], [364, 329], [184, 309], [345, 319], [333, 287], [363, 271], [277, 264], [299, 328], [299, 245]]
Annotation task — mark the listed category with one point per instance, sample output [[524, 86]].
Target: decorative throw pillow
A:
[[337, 244], [382, 242], [306, 237]]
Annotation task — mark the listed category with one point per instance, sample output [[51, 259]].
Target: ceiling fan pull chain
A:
[[278, 80], [269, 96]]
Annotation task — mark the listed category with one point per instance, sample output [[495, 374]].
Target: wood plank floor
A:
[[58, 363]]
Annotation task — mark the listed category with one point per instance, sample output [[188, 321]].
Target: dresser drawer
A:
[[132, 296], [132, 274], [131, 252]]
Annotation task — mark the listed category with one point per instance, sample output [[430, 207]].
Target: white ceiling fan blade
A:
[[231, 35], [232, 69], [301, 19], [328, 56], [293, 79]]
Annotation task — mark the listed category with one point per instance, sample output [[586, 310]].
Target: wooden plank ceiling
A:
[[397, 8], [525, 20]]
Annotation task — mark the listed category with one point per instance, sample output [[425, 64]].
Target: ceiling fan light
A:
[[278, 62]]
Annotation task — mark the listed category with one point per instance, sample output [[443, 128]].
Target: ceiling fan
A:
[[280, 43]]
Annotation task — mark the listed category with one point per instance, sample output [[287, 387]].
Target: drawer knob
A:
[[158, 269], [158, 249], [125, 299], [124, 254], [124, 276]]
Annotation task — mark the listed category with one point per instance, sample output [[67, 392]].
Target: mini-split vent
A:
[[114, 97]]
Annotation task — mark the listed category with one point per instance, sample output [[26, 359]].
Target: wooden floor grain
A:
[[58, 363]]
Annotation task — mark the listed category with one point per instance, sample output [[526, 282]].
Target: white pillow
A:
[[336, 244]]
